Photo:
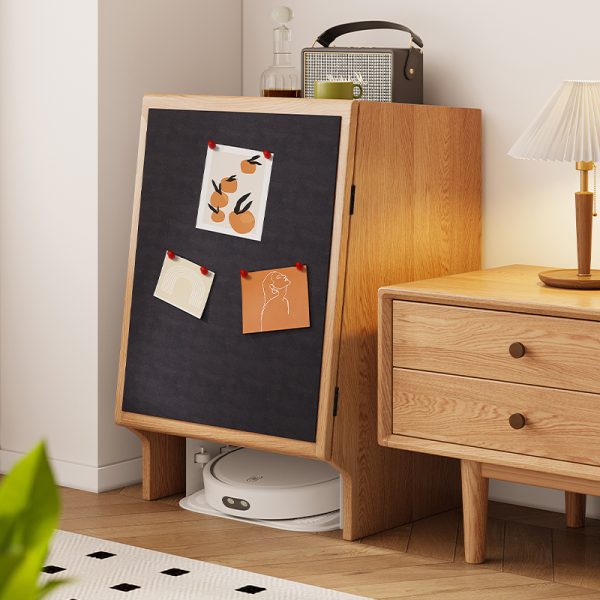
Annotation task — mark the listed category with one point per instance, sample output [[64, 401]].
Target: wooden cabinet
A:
[[405, 205], [497, 370]]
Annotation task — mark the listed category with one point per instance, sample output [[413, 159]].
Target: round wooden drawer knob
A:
[[517, 421], [517, 350]]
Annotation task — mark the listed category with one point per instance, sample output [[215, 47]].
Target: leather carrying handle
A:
[[334, 32]]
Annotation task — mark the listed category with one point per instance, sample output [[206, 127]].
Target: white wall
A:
[[72, 76], [504, 57], [48, 231]]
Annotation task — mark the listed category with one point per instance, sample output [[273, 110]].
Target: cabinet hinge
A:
[[352, 194], [336, 396]]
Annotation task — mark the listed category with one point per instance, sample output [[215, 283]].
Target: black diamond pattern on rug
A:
[[101, 555], [104, 569], [51, 569], [251, 589], [174, 572], [125, 587]]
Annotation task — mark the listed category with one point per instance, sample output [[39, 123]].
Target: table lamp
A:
[[568, 129]]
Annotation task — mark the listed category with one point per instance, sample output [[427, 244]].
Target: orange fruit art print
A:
[[229, 184], [234, 193], [218, 215], [249, 166], [241, 219], [218, 198], [275, 300]]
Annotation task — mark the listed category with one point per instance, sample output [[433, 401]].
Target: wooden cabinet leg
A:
[[163, 463], [575, 509], [475, 504]]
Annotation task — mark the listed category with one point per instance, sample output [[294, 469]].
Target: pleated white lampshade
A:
[[567, 128]]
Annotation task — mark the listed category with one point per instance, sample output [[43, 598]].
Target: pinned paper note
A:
[[235, 186], [183, 284], [275, 299]]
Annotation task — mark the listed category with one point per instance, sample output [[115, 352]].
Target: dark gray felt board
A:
[[205, 370]]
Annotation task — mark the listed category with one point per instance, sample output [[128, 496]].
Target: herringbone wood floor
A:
[[531, 553]]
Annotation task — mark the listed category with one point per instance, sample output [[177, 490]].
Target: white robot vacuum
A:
[[271, 489]]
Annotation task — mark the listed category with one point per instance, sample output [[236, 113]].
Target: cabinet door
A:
[[205, 370]]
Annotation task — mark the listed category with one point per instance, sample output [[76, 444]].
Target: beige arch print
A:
[[176, 273], [275, 286]]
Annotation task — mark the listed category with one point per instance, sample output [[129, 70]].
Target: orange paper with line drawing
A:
[[275, 299]]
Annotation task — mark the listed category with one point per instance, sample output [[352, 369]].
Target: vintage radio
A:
[[386, 74]]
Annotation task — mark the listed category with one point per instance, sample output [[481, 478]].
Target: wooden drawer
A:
[[560, 424], [562, 353]]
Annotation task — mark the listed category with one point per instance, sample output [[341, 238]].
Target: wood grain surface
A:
[[559, 424], [163, 464], [475, 508], [552, 479], [377, 567], [513, 288], [559, 352], [416, 214], [575, 509], [528, 551], [581, 478]]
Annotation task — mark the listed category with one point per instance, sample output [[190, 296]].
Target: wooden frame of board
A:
[[322, 446], [409, 162]]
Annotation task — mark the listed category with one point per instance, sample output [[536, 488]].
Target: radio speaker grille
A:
[[375, 68]]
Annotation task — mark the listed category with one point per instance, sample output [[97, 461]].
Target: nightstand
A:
[[496, 369]]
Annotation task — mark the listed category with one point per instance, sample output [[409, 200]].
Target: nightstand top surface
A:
[[513, 288]]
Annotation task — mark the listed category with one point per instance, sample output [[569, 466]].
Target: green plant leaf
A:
[[29, 502], [21, 581], [29, 509], [9, 563]]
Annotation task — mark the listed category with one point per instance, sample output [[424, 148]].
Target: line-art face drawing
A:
[[275, 303]]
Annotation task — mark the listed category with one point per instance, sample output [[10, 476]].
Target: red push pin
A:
[[299, 266], [267, 154], [211, 145], [204, 270], [171, 254], [243, 273]]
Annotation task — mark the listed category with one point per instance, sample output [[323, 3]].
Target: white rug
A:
[[104, 570]]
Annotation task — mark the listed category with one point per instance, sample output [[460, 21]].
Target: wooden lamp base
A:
[[570, 279], [582, 278]]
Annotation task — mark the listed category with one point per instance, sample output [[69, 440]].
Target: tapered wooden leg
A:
[[163, 464], [575, 509], [475, 504]]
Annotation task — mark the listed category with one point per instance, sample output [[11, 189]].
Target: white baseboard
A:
[[537, 497], [85, 477], [119, 474]]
